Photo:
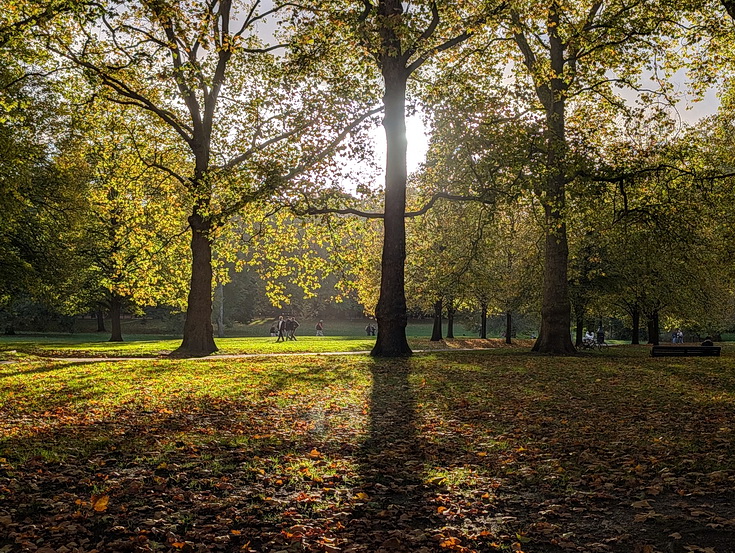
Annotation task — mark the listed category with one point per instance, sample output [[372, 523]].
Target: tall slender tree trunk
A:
[[115, 313], [649, 327], [198, 332], [436, 331], [221, 315], [579, 330], [508, 327], [654, 330], [450, 318], [391, 309], [636, 316], [483, 320], [100, 313]]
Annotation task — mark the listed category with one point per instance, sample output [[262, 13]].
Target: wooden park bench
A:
[[685, 351]]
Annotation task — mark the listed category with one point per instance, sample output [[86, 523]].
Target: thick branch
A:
[[374, 215]]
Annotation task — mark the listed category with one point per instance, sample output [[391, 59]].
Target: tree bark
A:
[[115, 312], [654, 330], [555, 336], [555, 309], [580, 330], [483, 320], [508, 327], [100, 319], [450, 318], [391, 309], [649, 328], [636, 316], [221, 315], [436, 331], [198, 331]]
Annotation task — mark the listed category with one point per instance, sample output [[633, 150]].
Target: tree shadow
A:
[[391, 510]]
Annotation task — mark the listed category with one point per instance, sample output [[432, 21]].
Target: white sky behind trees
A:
[[689, 108]]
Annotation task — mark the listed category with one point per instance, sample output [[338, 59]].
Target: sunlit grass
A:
[[94, 345], [308, 437]]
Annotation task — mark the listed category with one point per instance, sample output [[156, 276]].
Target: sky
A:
[[689, 111]]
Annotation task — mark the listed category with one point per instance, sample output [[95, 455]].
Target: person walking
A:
[[292, 326], [281, 328], [320, 328]]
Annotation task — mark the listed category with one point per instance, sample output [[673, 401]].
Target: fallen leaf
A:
[[99, 504]]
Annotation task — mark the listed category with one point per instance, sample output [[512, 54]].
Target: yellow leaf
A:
[[99, 504], [362, 495]]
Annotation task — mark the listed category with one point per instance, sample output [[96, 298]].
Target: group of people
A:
[[677, 337], [285, 328]]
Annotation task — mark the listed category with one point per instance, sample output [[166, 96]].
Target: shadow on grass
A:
[[392, 512], [551, 450]]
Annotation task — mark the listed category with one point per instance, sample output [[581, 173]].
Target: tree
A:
[[243, 114], [398, 40], [566, 51], [132, 238], [42, 201]]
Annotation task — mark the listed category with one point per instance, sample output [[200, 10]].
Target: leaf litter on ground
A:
[[483, 452]]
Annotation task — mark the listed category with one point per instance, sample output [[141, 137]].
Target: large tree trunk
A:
[[555, 308], [436, 331], [198, 332], [636, 316], [555, 336], [508, 327], [391, 309], [100, 313], [450, 318], [483, 320], [115, 312]]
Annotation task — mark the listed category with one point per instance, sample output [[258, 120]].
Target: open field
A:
[[96, 345], [260, 327], [486, 451]]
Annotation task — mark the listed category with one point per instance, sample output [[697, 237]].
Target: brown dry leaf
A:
[[643, 504], [100, 503]]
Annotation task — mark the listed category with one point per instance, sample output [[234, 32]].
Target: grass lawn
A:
[[95, 345], [487, 451]]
